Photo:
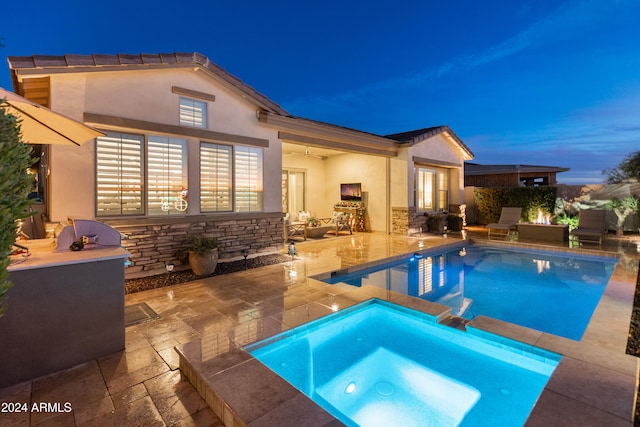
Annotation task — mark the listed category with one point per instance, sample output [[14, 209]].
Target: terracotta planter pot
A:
[[204, 264]]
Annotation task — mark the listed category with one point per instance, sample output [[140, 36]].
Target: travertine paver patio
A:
[[142, 385]]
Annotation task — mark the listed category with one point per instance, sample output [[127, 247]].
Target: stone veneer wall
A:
[[153, 245], [403, 219]]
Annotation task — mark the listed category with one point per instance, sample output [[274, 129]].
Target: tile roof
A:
[[477, 169], [101, 61], [415, 136], [98, 61]]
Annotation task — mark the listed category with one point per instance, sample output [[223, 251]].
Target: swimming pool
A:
[[380, 364], [554, 292]]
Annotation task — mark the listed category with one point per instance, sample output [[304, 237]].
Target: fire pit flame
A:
[[542, 218]]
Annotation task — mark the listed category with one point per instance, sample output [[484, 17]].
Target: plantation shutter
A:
[[166, 171], [119, 174], [248, 163], [193, 113], [216, 179]]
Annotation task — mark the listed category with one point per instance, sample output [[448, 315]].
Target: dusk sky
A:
[[544, 82]]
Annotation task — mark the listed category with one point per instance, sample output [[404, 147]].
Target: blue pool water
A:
[[548, 291], [379, 364]]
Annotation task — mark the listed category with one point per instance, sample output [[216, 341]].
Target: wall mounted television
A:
[[351, 192]]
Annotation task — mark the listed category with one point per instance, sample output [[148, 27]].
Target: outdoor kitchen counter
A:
[[42, 254], [64, 308]]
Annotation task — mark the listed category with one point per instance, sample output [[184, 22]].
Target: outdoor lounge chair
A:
[[339, 222], [509, 217], [592, 226]]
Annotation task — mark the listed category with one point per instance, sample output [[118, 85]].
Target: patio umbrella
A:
[[42, 126]]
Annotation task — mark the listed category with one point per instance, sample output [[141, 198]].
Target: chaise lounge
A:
[[509, 217], [592, 226]]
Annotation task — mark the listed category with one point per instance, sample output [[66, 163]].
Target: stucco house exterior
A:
[[189, 147]]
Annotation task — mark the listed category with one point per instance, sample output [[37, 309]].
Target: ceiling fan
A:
[[307, 153]]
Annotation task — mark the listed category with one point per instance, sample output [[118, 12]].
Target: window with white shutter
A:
[[167, 188], [193, 113], [248, 179], [119, 174], [216, 178]]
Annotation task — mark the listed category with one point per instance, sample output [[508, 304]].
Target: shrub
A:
[[490, 201], [15, 184]]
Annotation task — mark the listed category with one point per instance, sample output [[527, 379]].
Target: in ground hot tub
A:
[[379, 364]]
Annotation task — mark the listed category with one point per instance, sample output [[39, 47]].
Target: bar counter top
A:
[[43, 255]]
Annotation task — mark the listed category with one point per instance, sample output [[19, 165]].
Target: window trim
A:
[[189, 93], [193, 123], [231, 177], [436, 170], [173, 209], [143, 176]]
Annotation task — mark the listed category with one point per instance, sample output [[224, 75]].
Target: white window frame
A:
[[120, 174], [438, 183], [248, 179], [193, 113], [216, 177], [241, 173], [167, 176]]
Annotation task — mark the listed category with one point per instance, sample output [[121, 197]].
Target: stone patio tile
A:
[[337, 302], [135, 338], [251, 390], [272, 307], [128, 395], [255, 330], [595, 386], [498, 327], [140, 412], [170, 357], [295, 412], [18, 394], [159, 330], [45, 419], [174, 398], [215, 321], [304, 313], [211, 356], [92, 414], [203, 418], [80, 386], [439, 311], [591, 353], [122, 370], [557, 410], [290, 301]]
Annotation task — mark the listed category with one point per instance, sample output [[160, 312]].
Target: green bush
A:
[[570, 220], [15, 184], [490, 201]]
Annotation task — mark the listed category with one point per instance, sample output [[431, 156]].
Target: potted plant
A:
[[202, 253], [436, 223], [313, 222]]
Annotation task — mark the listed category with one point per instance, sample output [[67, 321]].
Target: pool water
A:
[[379, 364], [548, 291]]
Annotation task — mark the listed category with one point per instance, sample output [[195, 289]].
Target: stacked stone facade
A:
[[153, 246], [404, 219]]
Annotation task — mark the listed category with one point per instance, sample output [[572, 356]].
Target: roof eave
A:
[[47, 65]]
